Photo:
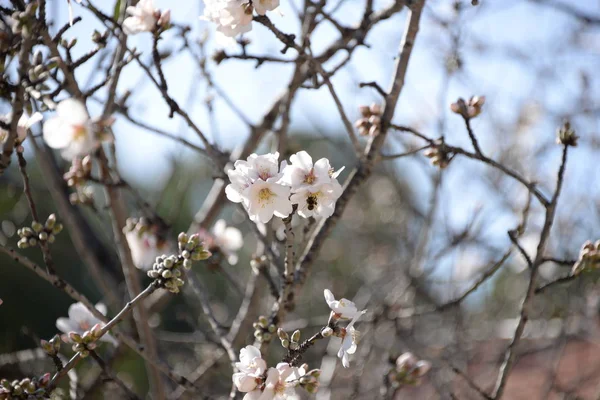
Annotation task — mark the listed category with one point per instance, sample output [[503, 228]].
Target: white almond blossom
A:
[[228, 239], [267, 199], [318, 201], [145, 18], [279, 385], [232, 17], [256, 184], [350, 338], [302, 174], [25, 122], [262, 6], [81, 320], [145, 247], [314, 185], [343, 308], [251, 367], [71, 130]]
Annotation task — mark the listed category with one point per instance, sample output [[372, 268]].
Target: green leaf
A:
[[117, 10]]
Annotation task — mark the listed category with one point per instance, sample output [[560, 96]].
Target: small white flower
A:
[[145, 247], [228, 239], [262, 6], [25, 122], [266, 199], [318, 201], [302, 174], [81, 320], [350, 339], [231, 16], [279, 385], [255, 184], [342, 308], [145, 18], [251, 367], [71, 130]]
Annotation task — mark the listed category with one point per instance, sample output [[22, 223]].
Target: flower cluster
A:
[[589, 258], [263, 330], [81, 320], [23, 125], [26, 389], [166, 270], [468, 109], [235, 16], [260, 382], [76, 177], [146, 242], [47, 232], [85, 343], [342, 310], [145, 18], [73, 131], [408, 370], [370, 123], [52, 346], [265, 189], [438, 155], [291, 342]]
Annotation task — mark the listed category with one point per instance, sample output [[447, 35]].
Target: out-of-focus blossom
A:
[[408, 370], [82, 320], [232, 17], [228, 240], [25, 122], [71, 130], [144, 242], [145, 18]]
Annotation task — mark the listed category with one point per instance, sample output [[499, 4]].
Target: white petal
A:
[[233, 238], [57, 134], [65, 325], [72, 112]]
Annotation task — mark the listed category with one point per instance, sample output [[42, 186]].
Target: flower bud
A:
[[263, 322], [37, 227], [285, 343], [75, 337], [327, 331], [296, 336], [51, 221], [283, 335]]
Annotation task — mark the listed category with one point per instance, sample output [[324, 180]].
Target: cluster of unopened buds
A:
[[167, 272], [438, 155], [52, 346], [468, 109], [566, 135], [589, 258], [370, 123], [408, 370], [38, 232], [76, 177], [26, 389], [291, 342], [79, 172], [263, 330], [85, 343]]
